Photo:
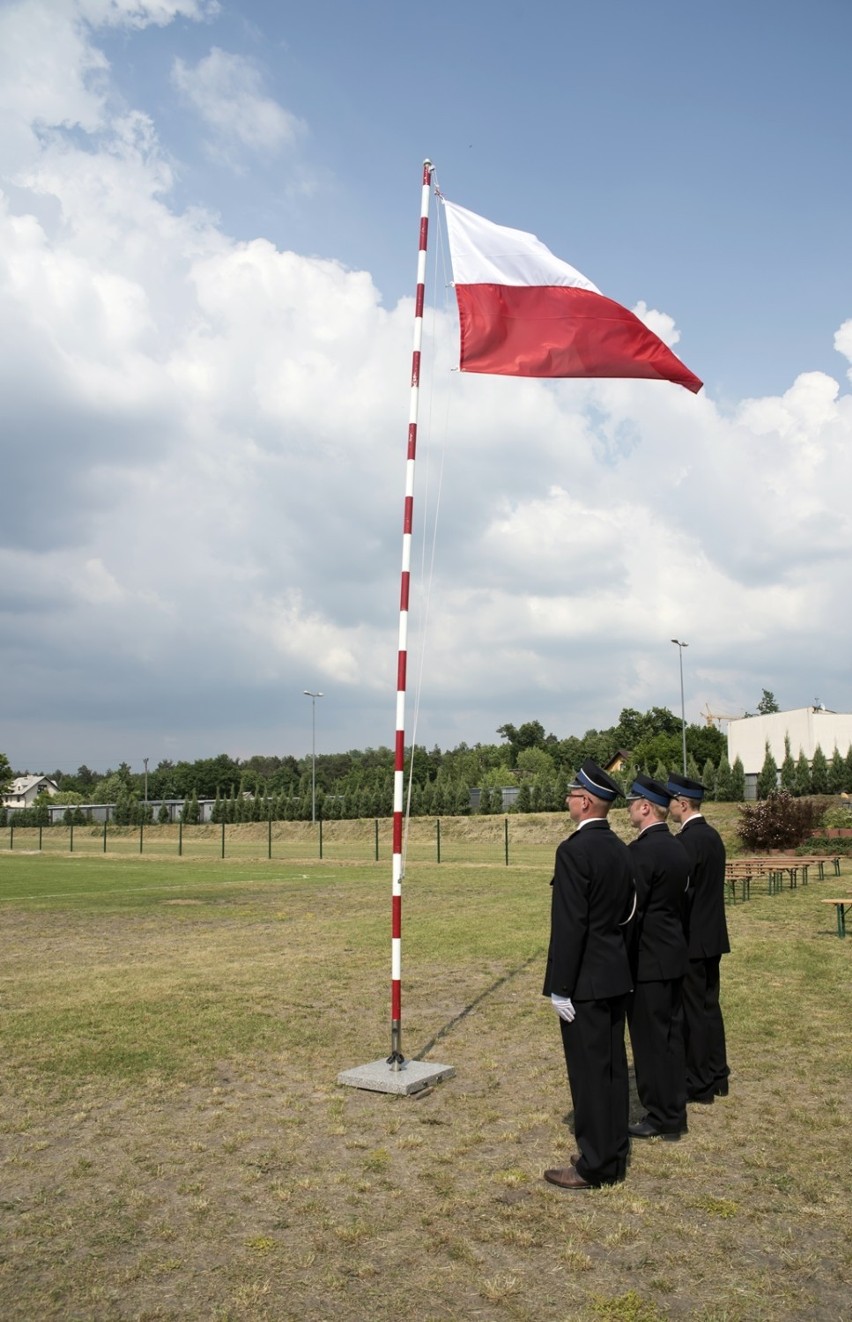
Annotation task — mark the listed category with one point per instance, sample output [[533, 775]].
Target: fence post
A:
[[141, 829], [40, 829], [105, 830], [180, 837], [320, 836], [506, 838], [438, 837], [71, 838], [11, 835], [223, 838], [377, 839], [269, 839]]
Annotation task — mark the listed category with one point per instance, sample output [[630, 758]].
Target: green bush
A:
[[822, 844], [836, 816], [777, 822]]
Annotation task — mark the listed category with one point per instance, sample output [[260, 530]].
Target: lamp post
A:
[[313, 697], [680, 646]]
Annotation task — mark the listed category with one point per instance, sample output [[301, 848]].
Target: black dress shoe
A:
[[722, 1088], [704, 1098], [646, 1129], [566, 1177]]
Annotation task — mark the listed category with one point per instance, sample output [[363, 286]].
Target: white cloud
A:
[[226, 90], [843, 343], [203, 460], [137, 13], [659, 322]]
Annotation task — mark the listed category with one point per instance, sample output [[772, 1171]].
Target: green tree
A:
[[523, 803], [124, 808], [819, 772], [111, 788], [737, 780], [767, 703], [535, 762], [767, 781], [5, 773], [40, 813], [529, 735], [802, 782], [836, 773], [189, 814], [724, 781], [788, 768], [62, 796]]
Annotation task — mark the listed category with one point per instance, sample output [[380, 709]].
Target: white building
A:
[[806, 728], [24, 791]]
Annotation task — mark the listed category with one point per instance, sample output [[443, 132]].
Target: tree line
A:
[[359, 783]]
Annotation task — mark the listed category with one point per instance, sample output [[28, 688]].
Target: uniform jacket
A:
[[706, 926], [658, 948], [592, 902]]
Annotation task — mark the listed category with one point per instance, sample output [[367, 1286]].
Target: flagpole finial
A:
[[427, 164]]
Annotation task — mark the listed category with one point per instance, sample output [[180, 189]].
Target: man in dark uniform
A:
[[707, 933], [658, 960], [588, 980]]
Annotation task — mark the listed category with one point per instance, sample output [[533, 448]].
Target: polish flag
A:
[[523, 312]]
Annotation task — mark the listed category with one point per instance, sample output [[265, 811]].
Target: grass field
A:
[[174, 1144], [527, 839]]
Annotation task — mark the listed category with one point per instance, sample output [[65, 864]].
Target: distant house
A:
[[617, 762], [24, 791]]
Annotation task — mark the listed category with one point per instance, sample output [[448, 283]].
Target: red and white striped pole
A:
[[396, 1058]]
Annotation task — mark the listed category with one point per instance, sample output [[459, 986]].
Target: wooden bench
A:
[[819, 861], [841, 907], [775, 866], [747, 870], [741, 872]]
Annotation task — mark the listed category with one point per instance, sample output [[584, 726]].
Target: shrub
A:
[[777, 822], [826, 845], [837, 816]]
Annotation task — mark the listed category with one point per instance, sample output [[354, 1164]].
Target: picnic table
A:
[[841, 907], [774, 867]]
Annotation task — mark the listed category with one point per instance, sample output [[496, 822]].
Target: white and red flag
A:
[[524, 312]]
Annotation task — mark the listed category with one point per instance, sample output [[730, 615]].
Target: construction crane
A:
[[711, 717]]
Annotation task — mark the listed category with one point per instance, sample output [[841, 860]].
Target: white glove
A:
[[563, 1007]]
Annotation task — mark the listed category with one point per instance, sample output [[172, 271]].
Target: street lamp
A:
[[680, 646], [313, 697]]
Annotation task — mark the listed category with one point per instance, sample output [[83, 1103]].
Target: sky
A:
[[209, 220]]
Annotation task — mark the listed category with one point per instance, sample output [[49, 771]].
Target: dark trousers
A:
[[655, 1016], [597, 1075], [704, 1028]]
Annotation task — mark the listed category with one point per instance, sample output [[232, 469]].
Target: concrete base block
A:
[[412, 1076]]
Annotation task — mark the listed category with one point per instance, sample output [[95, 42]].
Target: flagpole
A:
[[394, 1073], [396, 1058]]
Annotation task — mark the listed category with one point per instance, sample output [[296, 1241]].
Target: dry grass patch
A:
[[174, 1144]]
